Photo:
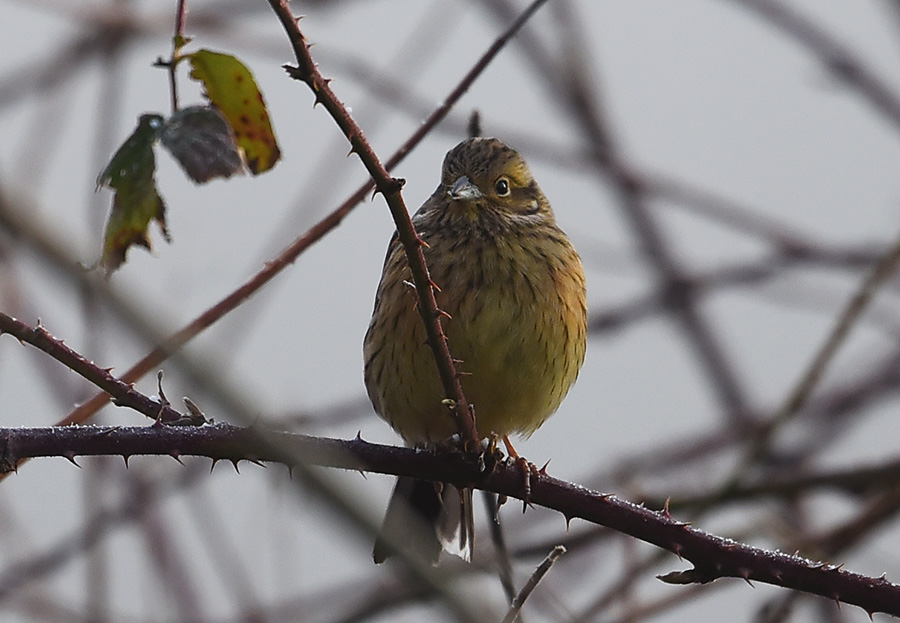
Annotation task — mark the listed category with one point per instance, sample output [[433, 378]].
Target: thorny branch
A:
[[713, 557], [389, 187]]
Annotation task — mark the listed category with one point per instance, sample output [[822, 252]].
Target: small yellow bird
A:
[[514, 289]]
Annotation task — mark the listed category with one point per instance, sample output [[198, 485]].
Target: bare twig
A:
[[837, 57], [513, 614], [178, 42], [123, 393], [504, 566], [389, 187], [802, 390]]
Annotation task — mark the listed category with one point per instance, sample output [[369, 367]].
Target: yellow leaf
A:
[[230, 86]]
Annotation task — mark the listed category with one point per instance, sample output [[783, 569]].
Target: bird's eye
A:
[[501, 187]]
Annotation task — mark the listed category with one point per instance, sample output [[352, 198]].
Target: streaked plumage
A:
[[514, 288]]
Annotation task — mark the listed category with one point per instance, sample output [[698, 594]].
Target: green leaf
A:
[[202, 142], [230, 86], [131, 174]]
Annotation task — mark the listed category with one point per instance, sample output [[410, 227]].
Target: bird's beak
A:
[[464, 190]]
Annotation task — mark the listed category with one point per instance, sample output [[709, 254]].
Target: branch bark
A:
[[713, 557], [389, 187]]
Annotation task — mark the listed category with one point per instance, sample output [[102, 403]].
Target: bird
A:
[[512, 295]]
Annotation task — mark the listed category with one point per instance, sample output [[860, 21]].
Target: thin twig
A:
[[123, 393], [389, 187], [804, 387], [504, 567], [513, 614], [178, 41]]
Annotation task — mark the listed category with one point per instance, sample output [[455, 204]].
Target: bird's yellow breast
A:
[[517, 325]]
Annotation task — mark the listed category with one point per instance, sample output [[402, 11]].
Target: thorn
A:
[[422, 242], [665, 511], [568, 521], [125, 457], [676, 549], [778, 575], [290, 471], [543, 471], [175, 454], [441, 313], [213, 466], [71, 458], [256, 462], [837, 600], [436, 287], [527, 473], [359, 435], [159, 389], [235, 463], [745, 574]]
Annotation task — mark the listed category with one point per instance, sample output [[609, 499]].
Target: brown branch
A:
[[848, 318], [513, 614], [178, 42], [123, 393], [389, 187], [713, 557]]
